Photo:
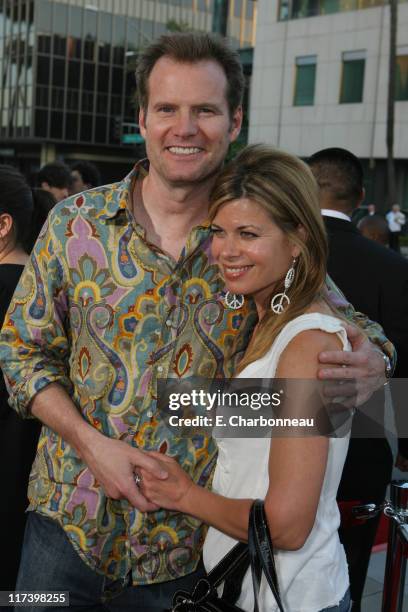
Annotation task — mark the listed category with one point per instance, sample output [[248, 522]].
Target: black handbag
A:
[[257, 554]]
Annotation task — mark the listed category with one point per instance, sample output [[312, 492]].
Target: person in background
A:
[[22, 214], [375, 280], [395, 219], [371, 210], [55, 177], [84, 175], [375, 228]]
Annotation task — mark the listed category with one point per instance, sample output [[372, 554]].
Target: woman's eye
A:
[[248, 235], [215, 230]]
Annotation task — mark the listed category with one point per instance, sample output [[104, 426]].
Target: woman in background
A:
[[23, 211]]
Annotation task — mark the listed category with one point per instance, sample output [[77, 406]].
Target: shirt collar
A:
[[336, 214], [117, 194]]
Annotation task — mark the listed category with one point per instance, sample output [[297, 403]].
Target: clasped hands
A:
[[173, 492]]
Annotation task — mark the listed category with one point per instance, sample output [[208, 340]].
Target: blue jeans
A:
[[50, 563], [344, 605]]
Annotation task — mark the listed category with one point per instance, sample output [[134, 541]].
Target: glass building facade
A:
[[67, 66], [298, 9]]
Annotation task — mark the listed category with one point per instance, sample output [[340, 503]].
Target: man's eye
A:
[[205, 110], [165, 109]]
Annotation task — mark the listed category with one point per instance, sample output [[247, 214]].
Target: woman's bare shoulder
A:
[[300, 359]]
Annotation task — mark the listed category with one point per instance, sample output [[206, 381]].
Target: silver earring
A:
[[234, 300], [281, 301]]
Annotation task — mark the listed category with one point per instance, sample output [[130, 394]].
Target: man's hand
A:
[[365, 366], [114, 464]]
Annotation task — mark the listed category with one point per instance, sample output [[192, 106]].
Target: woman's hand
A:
[[170, 493]]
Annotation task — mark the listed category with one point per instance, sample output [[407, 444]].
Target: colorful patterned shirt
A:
[[105, 314]]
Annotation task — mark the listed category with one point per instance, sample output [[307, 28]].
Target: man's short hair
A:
[[89, 173], [56, 174], [339, 173], [374, 227], [190, 48]]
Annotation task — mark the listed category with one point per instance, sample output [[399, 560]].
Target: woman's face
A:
[[253, 253]]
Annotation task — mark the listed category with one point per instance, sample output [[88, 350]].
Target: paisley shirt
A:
[[104, 313]]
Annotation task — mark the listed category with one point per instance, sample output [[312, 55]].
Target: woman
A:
[[22, 214], [269, 243]]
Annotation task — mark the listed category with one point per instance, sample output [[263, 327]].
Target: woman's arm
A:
[[297, 465], [296, 470]]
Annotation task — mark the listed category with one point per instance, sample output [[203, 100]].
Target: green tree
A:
[[178, 26], [391, 182]]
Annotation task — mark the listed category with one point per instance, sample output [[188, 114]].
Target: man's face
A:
[[77, 184], [187, 126], [59, 193]]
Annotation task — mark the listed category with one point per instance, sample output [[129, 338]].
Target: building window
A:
[[401, 76], [352, 80], [305, 80], [298, 9]]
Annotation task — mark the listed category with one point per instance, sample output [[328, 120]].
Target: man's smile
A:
[[180, 150]]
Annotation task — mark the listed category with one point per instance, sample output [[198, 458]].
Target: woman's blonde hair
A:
[[285, 188]]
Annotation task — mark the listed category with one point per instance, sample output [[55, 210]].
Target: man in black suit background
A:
[[375, 280]]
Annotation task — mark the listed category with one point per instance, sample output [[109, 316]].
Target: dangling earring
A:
[[234, 300], [281, 301]]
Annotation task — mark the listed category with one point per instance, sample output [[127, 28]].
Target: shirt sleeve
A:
[[34, 344], [373, 330]]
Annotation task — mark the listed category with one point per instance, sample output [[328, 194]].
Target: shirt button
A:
[[149, 414], [160, 368], [168, 322]]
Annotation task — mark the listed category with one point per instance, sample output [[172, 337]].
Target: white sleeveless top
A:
[[315, 576]]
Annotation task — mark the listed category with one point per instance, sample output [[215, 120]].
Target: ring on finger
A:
[[138, 479]]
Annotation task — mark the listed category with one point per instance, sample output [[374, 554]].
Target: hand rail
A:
[[397, 550]]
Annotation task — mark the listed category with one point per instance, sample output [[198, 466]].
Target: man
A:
[[55, 177], [375, 228], [375, 280], [84, 175], [121, 292], [396, 219]]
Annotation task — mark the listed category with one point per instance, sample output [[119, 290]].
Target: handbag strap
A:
[[237, 557], [231, 568], [261, 553], [233, 582]]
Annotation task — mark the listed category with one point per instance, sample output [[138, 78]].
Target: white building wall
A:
[[304, 130]]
